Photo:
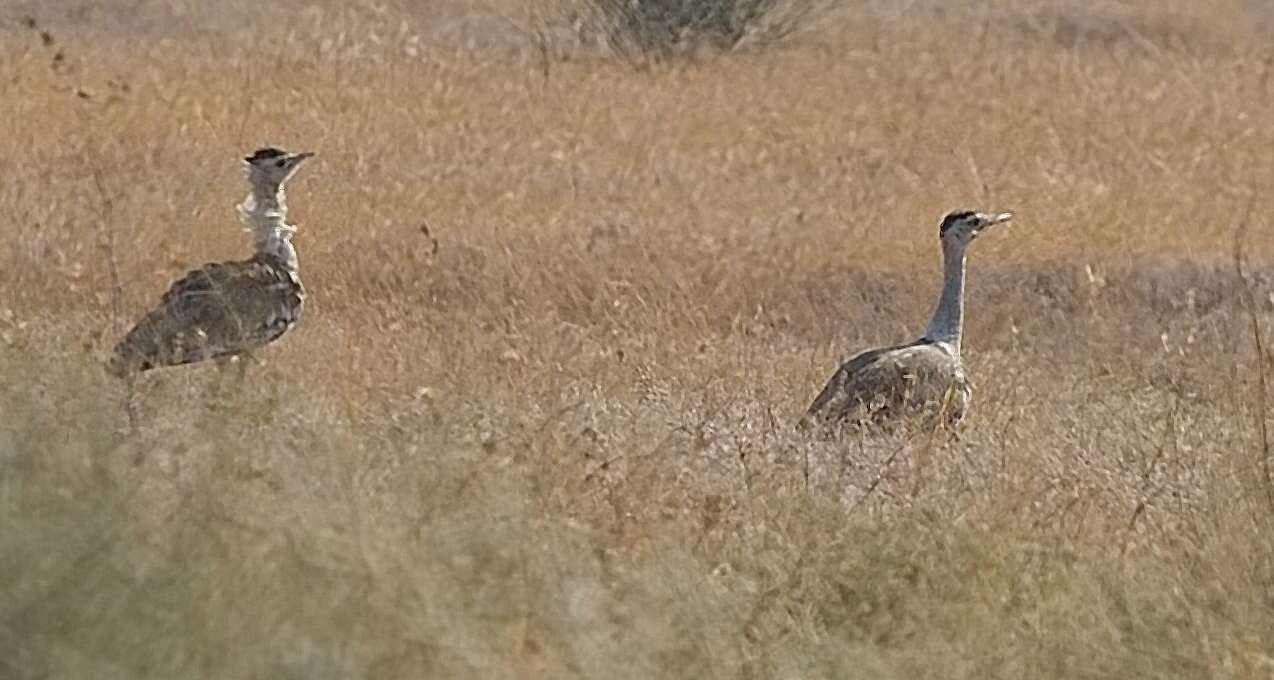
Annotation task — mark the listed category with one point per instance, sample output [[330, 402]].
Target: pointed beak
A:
[[994, 219], [298, 157]]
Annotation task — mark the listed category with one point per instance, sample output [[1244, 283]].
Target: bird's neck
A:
[[948, 316], [264, 211]]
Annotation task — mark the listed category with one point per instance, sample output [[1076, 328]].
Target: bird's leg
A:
[[941, 427], [244, 358], [223, 366], [131, 411], [223, 363]]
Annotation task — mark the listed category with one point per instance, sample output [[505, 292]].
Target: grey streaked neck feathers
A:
[[264, 211], [948, 316]]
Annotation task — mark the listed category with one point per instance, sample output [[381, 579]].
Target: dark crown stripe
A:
[[265, 153], [951, 219]]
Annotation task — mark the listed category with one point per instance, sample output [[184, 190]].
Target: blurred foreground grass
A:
[[459, 568]]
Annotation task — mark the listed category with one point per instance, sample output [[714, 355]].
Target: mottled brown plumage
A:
[[883, 385], [219, 310]]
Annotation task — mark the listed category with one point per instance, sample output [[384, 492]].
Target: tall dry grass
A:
[[536, 420]]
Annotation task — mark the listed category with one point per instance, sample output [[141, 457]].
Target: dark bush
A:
[[661, 28]]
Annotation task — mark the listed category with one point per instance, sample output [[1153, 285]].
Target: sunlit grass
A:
[[536, 419]]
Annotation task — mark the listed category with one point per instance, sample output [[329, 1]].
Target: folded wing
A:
[[221, 309], [884, 383]]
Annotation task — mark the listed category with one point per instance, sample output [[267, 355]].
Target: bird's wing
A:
[[846, 389], [219, 309], [876, 381]]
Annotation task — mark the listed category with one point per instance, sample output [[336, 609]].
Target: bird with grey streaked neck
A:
[[228, 309], [919, 378]]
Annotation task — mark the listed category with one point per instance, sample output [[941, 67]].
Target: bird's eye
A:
[[280, 163]]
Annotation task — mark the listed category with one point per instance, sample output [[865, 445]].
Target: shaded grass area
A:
[[269, 543]]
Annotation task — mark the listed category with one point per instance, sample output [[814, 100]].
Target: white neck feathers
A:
[[948, 315], [264, 212]]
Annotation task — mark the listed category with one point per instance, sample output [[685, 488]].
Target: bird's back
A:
[[220, 309], [881, 384]]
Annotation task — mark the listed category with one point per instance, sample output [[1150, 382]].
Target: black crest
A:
[[953, 219], [264, 154]]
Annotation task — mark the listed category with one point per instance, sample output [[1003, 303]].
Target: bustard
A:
[[228, 309], [925, 376]]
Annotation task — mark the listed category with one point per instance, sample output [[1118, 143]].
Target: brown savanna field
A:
[[536, 421]]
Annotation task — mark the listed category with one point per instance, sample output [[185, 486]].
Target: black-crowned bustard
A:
[[228, 309], [925, 376]]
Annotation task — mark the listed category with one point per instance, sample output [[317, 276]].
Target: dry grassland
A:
[[536, 421]]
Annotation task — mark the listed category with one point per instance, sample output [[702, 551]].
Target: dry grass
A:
[[549, 438]]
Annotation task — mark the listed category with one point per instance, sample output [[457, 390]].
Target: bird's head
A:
[[962, 226], [272, 166]]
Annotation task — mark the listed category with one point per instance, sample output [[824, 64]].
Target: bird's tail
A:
[[126, 359], [807, 423], [116, 366], [142, 347]]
